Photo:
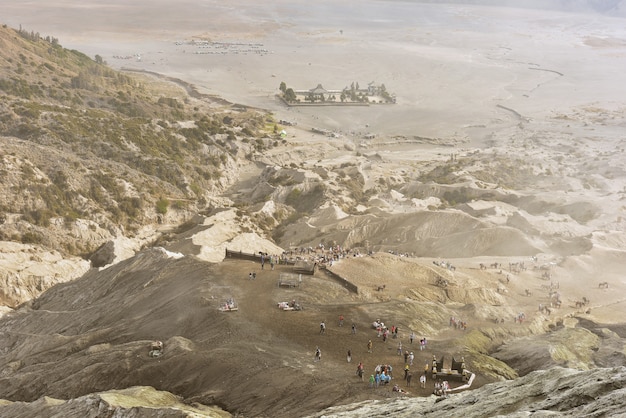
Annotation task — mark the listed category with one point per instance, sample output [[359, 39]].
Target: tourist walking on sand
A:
[[341, 320], [322, 327], [372, 381], [354, 328], [349, 357], [412, 337], [400, 348], [423, 381], [411, 358], [318, 354], [360, 369], [408, 379], [369, 346]]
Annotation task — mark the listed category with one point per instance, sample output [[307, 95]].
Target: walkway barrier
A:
[[345, 283], [254, 257], [300, 266]]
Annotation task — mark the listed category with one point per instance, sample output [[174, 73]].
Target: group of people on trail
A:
[[408, 376], [441, 388], [272, 259], [341, 321], [422, 343], [409, 356], [320, 254], [384, 332], [381, 376], [383, 372], [457, 323]]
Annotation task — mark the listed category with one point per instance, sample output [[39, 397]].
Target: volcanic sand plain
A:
[[546, 87]]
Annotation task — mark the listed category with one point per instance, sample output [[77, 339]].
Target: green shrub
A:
[[180, 204], [39, 217], [31, 238], [131, 206], [162, 205]]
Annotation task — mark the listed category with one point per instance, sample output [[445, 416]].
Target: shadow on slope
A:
[[94, 334]]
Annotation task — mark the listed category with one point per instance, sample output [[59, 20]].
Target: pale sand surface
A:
[[449, 65], [467, 76], [545, 86]]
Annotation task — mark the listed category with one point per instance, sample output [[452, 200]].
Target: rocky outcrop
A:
[[139, 401], [103, 255], [26, 271], [556, 392]]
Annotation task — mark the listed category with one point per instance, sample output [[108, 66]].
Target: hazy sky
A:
[[608, 7]]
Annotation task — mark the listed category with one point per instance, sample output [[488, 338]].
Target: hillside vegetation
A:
[[82, 142]]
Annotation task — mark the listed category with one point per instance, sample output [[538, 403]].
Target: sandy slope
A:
[[543, 87], [531, 102], [94, 334]]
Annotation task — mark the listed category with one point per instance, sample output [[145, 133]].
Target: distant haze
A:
[[615, 8]]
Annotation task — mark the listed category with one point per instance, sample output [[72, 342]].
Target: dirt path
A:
[[300, 330]]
